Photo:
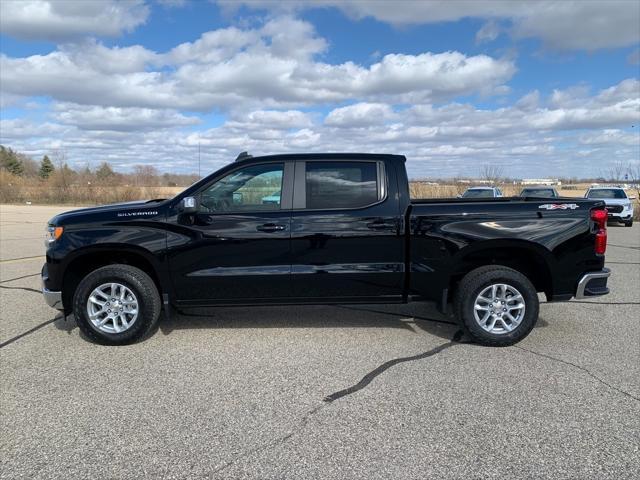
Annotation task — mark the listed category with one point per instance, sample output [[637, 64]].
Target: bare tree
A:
[[492, 173], [145, 175], [615, 171], [60, 159], [633, 171]]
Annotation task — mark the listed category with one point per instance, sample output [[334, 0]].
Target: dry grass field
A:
[[420, 189], [21, 190]]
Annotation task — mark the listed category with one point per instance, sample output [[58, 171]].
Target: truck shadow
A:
[[415, 317]]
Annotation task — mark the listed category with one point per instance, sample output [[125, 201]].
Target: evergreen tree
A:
[[46, 168], [10, 161], [104, 171]]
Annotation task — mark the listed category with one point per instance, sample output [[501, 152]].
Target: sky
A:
[[541, 88]]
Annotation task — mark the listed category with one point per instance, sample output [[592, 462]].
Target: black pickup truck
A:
[[322, 229]]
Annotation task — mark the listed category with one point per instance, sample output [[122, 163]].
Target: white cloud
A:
[[489, 32], [274, 119], [120, 119], [564, 25], [611, 137], [532, 136], [581, 24], [360, 115], [16, 129], [172, 3], [273, 66], [60, 20]]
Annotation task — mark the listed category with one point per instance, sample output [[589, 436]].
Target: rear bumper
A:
[[593, 284]]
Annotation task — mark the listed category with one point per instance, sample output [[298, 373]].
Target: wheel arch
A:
[[88, 259], [528, 258]]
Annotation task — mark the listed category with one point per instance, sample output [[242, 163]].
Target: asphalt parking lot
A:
[[375, 392]]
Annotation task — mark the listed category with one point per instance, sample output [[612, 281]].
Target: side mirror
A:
[[188, 205]]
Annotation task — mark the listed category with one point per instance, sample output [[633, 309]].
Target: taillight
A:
[[600, 218]]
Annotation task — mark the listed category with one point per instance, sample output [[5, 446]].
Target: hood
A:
[[115, 211]]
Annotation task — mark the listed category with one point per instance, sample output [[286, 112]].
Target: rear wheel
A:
[[116, 304], [496, 305]]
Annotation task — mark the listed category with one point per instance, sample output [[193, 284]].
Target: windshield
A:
[[478, 193], [538, 192], [607, 193]]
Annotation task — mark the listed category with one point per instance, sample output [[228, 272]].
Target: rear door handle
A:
[[270, 227]]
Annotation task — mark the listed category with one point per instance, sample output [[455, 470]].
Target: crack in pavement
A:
[[24, 334], [623, 246], [21, 288], [369, 377], [21, 259], [334, 396], [273, 443], [20, 278], [579, 367]]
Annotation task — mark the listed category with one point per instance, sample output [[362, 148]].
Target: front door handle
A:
[[380, 226], [270, 227]]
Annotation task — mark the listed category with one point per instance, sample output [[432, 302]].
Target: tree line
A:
[[56, 169]]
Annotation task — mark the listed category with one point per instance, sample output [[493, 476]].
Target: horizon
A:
[[537, 89]]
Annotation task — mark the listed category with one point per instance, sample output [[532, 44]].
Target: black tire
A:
[[628, 223], [134, 279], [474, 283]]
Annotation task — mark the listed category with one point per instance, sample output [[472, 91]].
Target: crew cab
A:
[[337, 228]]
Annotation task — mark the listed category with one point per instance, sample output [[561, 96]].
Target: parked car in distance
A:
[[344, 231], [618, 204], [541, 192], [482, 192]]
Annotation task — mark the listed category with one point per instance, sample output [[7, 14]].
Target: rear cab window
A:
[[478, 193], [342, 184]]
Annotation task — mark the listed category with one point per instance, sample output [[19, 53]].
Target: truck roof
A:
[[322, 156]]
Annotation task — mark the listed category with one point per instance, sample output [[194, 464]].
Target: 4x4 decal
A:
[[559, 206]]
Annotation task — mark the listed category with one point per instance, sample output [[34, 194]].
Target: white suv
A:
[[618, 205]]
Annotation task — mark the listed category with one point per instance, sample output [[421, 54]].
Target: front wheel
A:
[[629, 223], [496, 305], [116, 304]]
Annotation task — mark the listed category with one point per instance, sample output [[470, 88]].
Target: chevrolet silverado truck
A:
[[322, 229]]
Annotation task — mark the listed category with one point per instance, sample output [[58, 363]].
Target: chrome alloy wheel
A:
[[499, 308], [112, 308]]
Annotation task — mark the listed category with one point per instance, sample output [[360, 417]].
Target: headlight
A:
[[52, 234]]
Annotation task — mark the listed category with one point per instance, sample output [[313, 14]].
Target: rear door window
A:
[[330, 185]]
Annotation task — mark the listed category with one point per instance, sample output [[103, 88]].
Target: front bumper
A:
[[53, 299], [624, 214], [593, 284]]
